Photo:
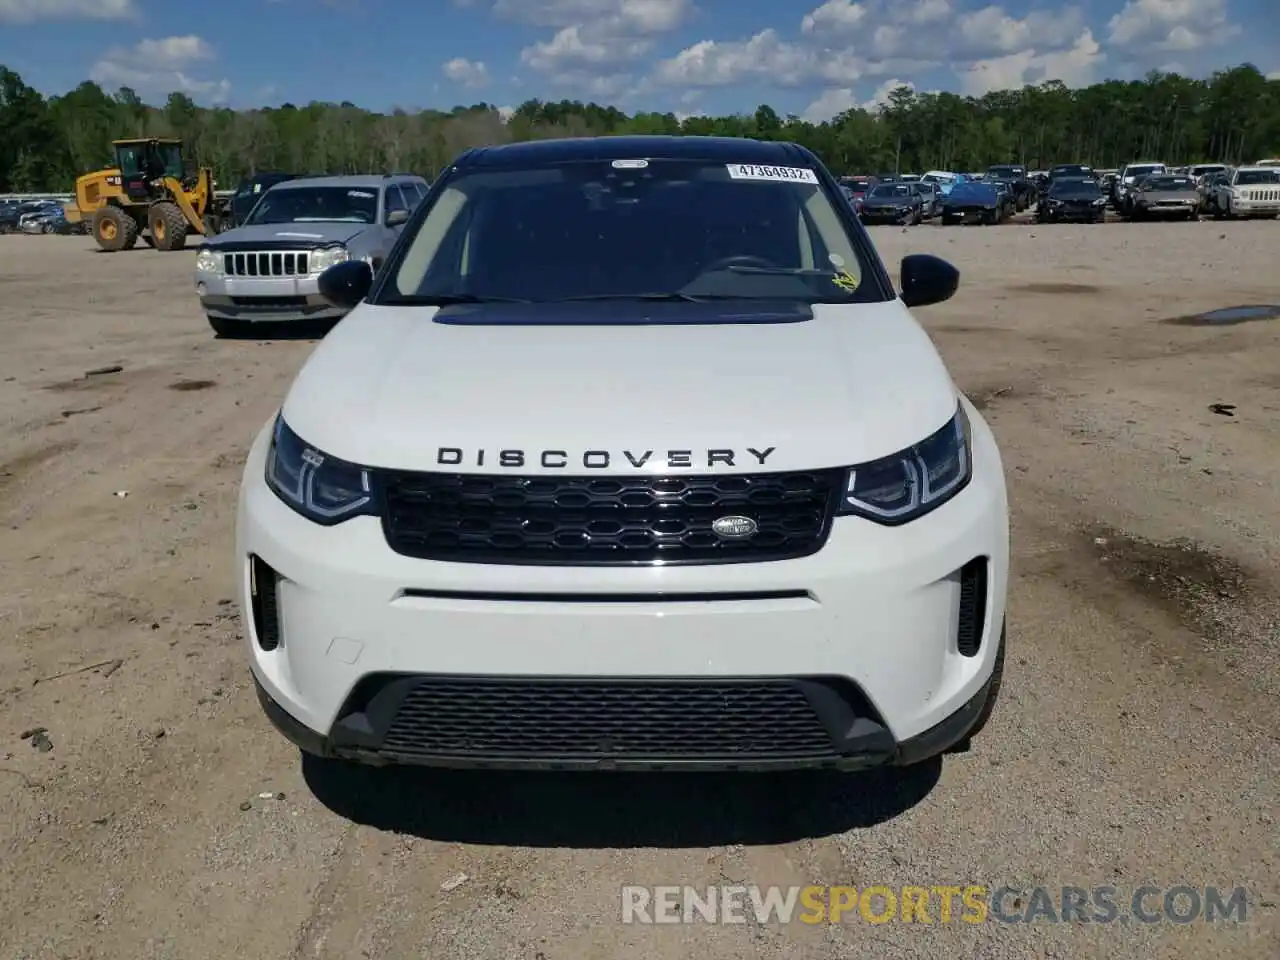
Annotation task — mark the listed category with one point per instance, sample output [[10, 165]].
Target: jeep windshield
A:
[[290, 204], [1249, 178], [658, 229]]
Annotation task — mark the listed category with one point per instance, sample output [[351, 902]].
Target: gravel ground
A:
[[152, 813]]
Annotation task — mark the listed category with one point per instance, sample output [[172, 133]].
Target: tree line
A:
[[1231, 117]]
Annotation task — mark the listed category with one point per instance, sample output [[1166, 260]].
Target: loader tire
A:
[[168, 226], [114, 229]]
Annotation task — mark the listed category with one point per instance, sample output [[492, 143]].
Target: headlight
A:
[[1101, 201], [321, 488], [326, 257], [914, 481], [208, 262]]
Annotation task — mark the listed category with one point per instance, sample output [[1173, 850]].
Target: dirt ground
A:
[[155, 814]]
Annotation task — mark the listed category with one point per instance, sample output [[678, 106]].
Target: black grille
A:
[[269, 303], [973, 607], [520, 719], [605, 520]]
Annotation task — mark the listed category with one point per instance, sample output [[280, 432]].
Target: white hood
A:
[[391, 386]]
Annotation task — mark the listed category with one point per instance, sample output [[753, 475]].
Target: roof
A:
[[147, 140], [724, 149]]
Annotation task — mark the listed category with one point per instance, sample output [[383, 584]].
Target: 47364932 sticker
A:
[[755, 171]]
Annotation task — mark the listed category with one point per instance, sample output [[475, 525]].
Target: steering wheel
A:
[[739, 260]]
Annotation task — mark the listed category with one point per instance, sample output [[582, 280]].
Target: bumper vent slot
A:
[[264, 587], [973, 607]]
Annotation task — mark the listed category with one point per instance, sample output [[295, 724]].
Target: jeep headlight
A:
[[1100, 202], [208, 261], [326, 257], [914, 481], [320, 487]]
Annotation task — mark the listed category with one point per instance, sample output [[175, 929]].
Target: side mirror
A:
[[346, 284], [397, 217], [925, 279]]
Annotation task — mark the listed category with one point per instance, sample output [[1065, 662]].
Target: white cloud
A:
[[469, 73], [157, 67], [842, 42], [1274, 75], [838, 15], [765, 57], [1075, 67], [1177, 25], [29, 11], [595, 41]]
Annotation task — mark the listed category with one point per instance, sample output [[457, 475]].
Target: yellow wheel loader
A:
[[147, 194]]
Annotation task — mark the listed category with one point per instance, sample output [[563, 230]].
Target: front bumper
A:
[[1156, 210], [847, 658], [1045, 213], [887, 215], [1255, 208], [265, 299]]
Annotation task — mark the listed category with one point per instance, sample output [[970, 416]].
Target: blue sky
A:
[[689, 56]]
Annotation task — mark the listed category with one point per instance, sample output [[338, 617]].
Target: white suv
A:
[[630, 456]]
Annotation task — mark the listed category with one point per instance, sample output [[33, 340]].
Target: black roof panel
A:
[[724, 149]]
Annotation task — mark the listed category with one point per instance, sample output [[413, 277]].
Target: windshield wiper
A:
[[778, 271]]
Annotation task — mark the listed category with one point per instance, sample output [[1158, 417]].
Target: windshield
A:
[[1071, 170], [890, 190], [1075, 188], [288, 204], [1139, 172], [1010, 173], [631, 229], [1247, 177], [1168, 183]]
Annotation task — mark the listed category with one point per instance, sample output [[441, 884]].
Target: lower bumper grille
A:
[[495, 720], [588, 521]]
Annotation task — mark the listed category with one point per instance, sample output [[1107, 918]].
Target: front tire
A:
[[167, 225], [114, 230]]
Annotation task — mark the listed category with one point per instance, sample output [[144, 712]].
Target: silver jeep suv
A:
[[266, 269]]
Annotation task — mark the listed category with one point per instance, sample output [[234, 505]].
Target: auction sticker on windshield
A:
[[753, 171]]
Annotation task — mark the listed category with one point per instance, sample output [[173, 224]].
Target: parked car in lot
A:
[[267, 269], [1127, 180], [1066, 171], [1020, 186], [1248, 192], [976, 201], [402, 503], [930, 198], [51, 219], [1207, 187], [893, 203], [944, 180], [1164, 196], [1072, 199]]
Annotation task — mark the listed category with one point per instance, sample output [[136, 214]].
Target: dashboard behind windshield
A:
[[644, 229]]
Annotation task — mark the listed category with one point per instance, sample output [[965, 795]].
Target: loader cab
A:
[[142, 161]]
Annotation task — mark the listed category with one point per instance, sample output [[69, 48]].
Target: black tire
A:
[[229, 329], [917, 218], [168, 226], [47, 228], [993, 690], [114, 229]]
